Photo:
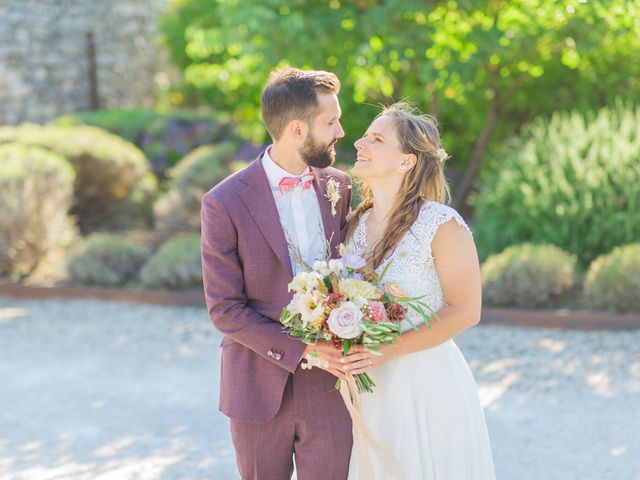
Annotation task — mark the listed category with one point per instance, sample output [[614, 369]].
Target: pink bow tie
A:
[[286, 184]]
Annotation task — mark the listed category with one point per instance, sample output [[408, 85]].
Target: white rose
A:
[[321, 267], [336, 266], [345, 321], [304, 281]]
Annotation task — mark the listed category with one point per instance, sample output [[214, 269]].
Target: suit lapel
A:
[[258, 198], [330, 222]]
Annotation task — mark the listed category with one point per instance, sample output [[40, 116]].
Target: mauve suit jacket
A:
[[246, 269]]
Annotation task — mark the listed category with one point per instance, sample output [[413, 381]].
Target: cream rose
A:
[[395, 290], [359, 290]]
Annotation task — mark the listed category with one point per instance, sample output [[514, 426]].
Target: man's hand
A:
[[331, 355]]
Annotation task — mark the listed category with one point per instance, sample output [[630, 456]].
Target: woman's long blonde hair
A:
[[417, 133]]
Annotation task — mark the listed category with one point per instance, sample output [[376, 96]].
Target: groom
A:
[[279, 410]]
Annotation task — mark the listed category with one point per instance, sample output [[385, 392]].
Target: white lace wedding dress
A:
[[425, 407]]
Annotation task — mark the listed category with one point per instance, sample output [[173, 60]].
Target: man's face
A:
[[318, 149]]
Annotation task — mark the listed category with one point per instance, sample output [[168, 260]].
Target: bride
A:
[[425, 408]]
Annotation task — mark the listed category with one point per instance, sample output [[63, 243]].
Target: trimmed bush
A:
[[114, 187], [36, 191], [129, 124], [527, 275], [613, 280], [197, 173], [106, 259], [176, 264], [572, 181], [165, 138]]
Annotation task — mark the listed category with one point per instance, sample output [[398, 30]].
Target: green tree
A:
[[484, 68]]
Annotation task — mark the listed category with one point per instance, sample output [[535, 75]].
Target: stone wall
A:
[[44, 65]]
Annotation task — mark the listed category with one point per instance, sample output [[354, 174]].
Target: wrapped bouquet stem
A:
[[364, 440]]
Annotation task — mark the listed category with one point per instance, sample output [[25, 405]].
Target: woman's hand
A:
[[328, 357], [364, 360]]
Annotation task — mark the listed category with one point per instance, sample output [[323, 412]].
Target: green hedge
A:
[[198, 172], [36, 191], [572, 181], [613, 280], [114, 188], [176, 264], [163, 137], [527, 275], [105, 259]]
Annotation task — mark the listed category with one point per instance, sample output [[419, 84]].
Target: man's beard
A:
[[317, 155]]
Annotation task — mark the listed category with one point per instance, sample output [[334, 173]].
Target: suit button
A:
[[277, 356], [270, 354]]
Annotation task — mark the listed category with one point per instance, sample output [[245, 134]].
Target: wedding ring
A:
[[370, 362]]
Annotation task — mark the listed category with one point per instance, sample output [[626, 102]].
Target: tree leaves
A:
[[457, 59]]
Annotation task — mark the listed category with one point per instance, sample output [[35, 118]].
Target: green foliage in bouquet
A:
[[198, 172], [613, 280], [105, 259], [572, 181], [113, 187], [176, 264], [527, 275], [36, 191]]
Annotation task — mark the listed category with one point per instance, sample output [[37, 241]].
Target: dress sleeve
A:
[[433, 215]]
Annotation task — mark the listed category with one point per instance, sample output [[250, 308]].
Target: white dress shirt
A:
[[299, 213]]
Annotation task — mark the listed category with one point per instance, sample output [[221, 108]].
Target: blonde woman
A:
[[426, 407]]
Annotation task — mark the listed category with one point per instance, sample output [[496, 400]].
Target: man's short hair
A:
[[292, 94]]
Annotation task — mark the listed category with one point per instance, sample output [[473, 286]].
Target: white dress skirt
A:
[[425, 407]]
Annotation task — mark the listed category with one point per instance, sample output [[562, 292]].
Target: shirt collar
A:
[[274, 171]]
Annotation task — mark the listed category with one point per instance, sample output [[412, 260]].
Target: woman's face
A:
[[378, 151]]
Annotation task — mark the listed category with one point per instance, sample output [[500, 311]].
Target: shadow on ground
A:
[[99, 390]]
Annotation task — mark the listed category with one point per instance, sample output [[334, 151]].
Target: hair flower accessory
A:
[[442, 155]]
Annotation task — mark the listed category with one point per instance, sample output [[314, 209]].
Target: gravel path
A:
[[97, 390]]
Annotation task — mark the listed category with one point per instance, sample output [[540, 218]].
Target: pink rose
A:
[[377, 312], [334, 300], [345, 321], [396, 312]]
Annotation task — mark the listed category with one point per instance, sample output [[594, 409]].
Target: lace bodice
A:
[[413, 264]]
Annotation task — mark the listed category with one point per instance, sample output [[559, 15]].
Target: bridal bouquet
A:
[[346, 302]]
